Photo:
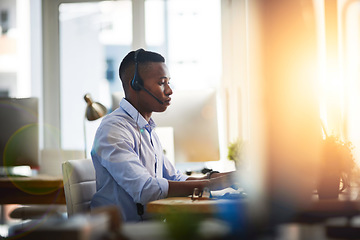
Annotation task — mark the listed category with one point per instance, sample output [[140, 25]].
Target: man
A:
[[131, 169]]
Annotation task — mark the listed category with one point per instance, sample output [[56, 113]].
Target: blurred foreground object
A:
[[336, 167]]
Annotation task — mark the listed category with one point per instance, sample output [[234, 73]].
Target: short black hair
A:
[[142, 57]]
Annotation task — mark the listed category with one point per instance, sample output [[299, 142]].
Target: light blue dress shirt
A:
[[129, 162]]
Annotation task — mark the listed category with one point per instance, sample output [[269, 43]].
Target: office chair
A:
[[79, 185]]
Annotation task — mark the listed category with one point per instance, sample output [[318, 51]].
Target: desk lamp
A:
[[94, 111]]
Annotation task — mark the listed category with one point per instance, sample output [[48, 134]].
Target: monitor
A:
[[19, 132], [193, 116]]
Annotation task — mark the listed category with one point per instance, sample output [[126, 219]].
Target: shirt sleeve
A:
[[116, 148], [171, 173]]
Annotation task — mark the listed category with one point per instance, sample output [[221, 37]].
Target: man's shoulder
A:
[[117, 119]]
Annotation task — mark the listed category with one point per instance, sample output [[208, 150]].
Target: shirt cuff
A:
[[164, 186], [184, 177]]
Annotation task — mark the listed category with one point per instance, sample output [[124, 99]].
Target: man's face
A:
[[156, 79]]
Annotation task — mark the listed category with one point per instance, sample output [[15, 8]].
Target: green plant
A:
[[183, 224], [235, 151]]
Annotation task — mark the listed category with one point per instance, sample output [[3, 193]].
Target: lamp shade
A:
[[94, 110]]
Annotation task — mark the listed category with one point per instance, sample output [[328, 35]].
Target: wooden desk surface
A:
[[185, 204], [319, 209], [39, 189]]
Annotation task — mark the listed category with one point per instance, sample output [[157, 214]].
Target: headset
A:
[[137, 83]]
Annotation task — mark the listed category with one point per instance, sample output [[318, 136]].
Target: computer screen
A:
[[193, 116], [19, 132]]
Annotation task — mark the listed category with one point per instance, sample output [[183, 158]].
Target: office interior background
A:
[[279, 68], [86, 41], [81, 43]]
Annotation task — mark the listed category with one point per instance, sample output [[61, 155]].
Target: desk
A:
[[185, 204], [40, 189]]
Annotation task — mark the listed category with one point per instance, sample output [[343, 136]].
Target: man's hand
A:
[[217, 181]]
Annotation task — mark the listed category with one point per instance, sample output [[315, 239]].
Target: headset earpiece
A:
[[137, 82]]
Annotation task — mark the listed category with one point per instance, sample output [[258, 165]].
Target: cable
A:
[[139, 206], [139, 129]]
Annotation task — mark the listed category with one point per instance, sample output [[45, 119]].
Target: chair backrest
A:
[[79, 185]]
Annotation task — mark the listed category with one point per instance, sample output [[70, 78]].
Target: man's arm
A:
[[213, 175], [185, 188]]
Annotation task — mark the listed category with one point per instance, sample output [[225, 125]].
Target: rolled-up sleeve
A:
[[170, 172]]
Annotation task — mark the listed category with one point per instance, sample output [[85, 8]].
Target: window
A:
[[350, 23], [93, 39], [339, 62], [16, 18], [189, 36]]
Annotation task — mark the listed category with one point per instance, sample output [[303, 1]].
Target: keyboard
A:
[[4, 175], [16, 171], [229, 193]]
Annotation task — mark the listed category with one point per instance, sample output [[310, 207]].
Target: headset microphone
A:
[[157, 99]]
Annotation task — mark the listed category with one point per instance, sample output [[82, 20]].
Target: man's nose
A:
[[168, 90]]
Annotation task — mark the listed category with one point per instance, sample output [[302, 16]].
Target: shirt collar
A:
[[136, 116]]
